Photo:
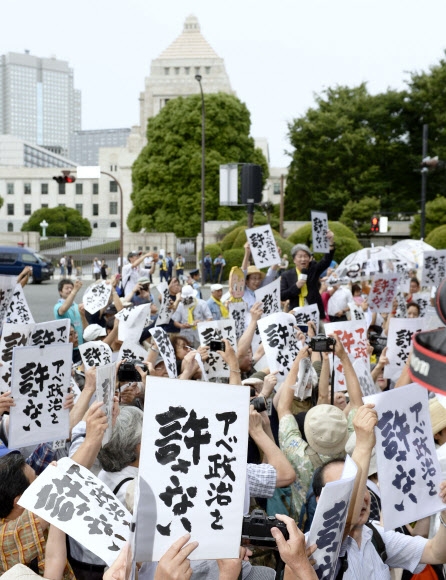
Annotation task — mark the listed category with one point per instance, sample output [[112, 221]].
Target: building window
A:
[[96, 209], [78, 207], [113, 225], [166, 70], [95, 188], [79, 188], [95, 225], [10, 209], [207, 70], [197, 70], [44, 205], [27, 188], [113, 187], [113, 208], [177, 70], [44, 188], [276, 189], [10, 188], [61, 188], [10, 227], [27, 209], [186, 70]]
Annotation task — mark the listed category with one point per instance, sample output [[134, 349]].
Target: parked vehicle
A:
[[14, 258]]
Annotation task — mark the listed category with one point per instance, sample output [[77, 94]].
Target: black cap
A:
[[194, 272]]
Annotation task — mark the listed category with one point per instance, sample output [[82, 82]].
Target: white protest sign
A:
[[238, 311], [383, 291], [166, 350], [306, 314], [96, 297], [52, 332], [13, 335], [7, 285], [404, 282], [18, 310], [5, 377], [362, 370], [319, 227], [74, 500], [131, 351], [210, 330], [263, 246], [434, 268], [329, 520], [105, 392], [192, 469], [353, 335], [399, 344], [356, 312], [131, 322], [408, 466], [278, 335], [95, 353], [269, 296], [40, 381], [164, 313], [423, 301]]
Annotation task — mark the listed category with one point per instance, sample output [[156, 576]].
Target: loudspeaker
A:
[[251, 183]]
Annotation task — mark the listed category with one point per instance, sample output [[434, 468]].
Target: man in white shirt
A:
[[132, 271], [338, 303]]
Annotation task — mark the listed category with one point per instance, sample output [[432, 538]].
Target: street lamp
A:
[[203, 153]]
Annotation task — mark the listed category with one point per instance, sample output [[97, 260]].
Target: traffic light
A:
[[65, 178], [374, 224]]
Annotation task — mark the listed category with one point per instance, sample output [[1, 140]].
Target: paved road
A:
[[42, 297]]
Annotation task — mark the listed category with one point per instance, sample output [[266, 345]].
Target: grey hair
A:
[[120, 451]]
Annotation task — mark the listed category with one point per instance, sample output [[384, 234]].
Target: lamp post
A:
[[424, 171], [203, 153]]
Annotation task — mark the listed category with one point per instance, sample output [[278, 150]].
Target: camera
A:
[[257, 526], [258, 403], [377, 341], [215, 345], [322, 343], [143, 287], [127, 371]]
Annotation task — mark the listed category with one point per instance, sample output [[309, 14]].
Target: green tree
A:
[[357, 214], [61, 220], [167, 174], [351, 145], [1, 202], [435, 217], [437, 238]]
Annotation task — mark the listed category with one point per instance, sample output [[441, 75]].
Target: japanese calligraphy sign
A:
[[95, 353], [131, 322], [164, 313], [306, 314], [7, 285], [238, 312], [356, 312], [52, 332], [383, 291], [105, 391], [18, 309], [353, 336], [132, 350], [70, 497], [423, 301], [40, 382], [5, 377], [166, 350], [209, 330], [319, 227], [408, 467], [361, 367], [269, 296], [193, 468], [13, 335], [96, 297], [263, 246], [329, 520], [278, 335], [434, 268], [399, 344]]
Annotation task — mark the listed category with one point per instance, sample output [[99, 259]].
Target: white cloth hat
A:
[[216, 287], [187, 291], [93, 332]]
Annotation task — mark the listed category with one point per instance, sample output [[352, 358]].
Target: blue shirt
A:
[[72, 314]]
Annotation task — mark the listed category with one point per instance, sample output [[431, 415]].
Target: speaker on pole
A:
[[251, 183]]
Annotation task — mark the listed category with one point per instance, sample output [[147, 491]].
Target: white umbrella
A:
[[414, 249], [369, 262]]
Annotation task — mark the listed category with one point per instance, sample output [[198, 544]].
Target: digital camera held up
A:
[[257, 526], [322, 343], [127, 372]]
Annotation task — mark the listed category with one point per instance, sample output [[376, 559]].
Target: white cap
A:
[[93, 332], [216, 287]]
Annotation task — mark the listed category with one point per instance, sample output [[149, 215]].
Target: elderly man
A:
[[255, 278], [300, 285], [216, 306], [190, 311]]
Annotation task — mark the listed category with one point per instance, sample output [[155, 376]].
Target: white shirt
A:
[[339, 301], [131, 275]]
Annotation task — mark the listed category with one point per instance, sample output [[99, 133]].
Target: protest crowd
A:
[[285, 428]]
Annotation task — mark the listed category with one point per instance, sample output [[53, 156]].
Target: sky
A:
[[278, 53]]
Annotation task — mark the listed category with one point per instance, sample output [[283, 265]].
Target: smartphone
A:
[[215, 345]]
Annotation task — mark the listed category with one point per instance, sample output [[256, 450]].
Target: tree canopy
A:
[[356, 214], [167, 174], [61, 220], [435, 217]]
